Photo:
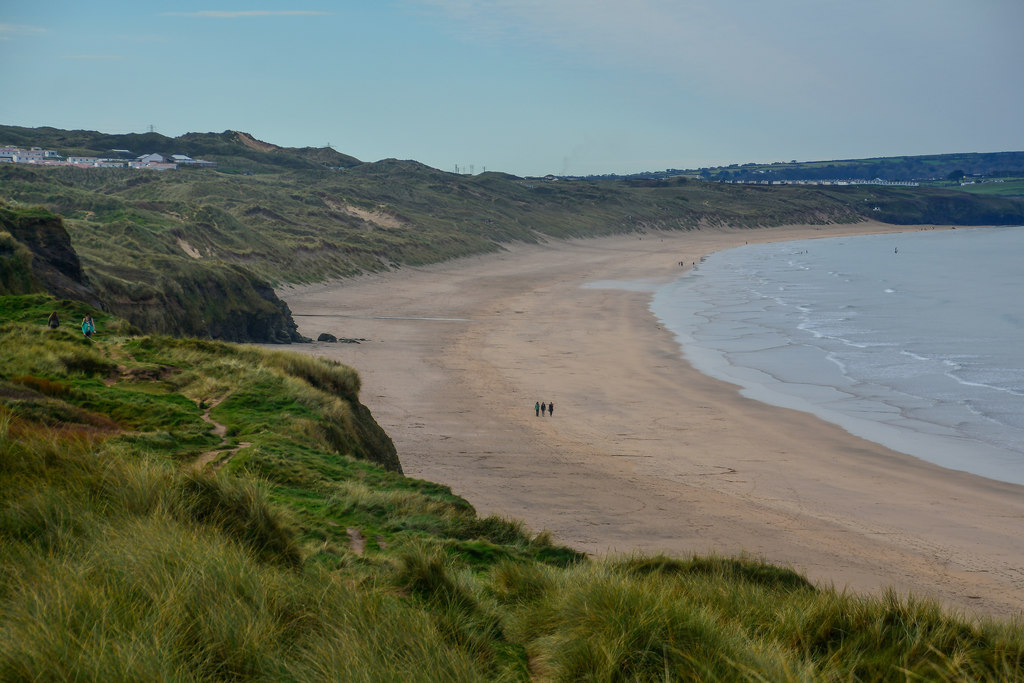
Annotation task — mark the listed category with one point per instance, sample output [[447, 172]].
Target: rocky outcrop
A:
[[207, 300], [169, 295], [40, 257]]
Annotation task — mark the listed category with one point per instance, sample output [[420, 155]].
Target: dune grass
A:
[[197, 253], [119, 561]]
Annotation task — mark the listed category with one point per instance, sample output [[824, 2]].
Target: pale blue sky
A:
[[531, 86]]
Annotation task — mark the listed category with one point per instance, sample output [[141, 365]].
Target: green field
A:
[[1010, 187], [934, 168]]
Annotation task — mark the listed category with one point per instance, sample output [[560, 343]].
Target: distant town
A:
[[119, 158]]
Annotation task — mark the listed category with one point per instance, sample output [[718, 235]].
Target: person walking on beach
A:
[[551, 408], [53, 321], [543, 408], [536, 407], [88, 326]]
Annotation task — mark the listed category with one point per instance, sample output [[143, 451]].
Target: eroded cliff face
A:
[[38, 256], [170, 296], [210, 300]]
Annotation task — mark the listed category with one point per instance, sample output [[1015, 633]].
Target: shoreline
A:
[[936, 443], [646, 453]]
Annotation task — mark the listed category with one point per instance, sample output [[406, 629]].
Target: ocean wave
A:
[[790, 327]]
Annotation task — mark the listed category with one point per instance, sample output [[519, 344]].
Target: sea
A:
[[912, 340]]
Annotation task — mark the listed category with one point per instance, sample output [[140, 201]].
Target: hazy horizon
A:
[[528, 87]]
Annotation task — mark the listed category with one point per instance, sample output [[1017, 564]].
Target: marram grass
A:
[[118, 561]]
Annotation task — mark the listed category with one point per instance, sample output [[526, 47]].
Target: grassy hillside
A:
[[175, 509], [1008, 187], [156, 291], [234, 151], [301, 227], [917, 168], [195, 251]]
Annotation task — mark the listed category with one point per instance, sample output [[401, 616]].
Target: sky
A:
[[531, 87]]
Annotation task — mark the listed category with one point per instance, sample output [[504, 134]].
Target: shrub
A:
[[321, 373], [241, 510], [724, 568], [86, 362], [43, 385]]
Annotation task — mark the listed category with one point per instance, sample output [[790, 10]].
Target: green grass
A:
[[118, 561], [196, 252], [305, 226], [1011, 187]]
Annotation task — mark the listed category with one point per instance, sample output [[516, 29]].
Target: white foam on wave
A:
[[847, 368]]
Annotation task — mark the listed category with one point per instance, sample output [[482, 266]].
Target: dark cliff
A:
[[36, 256], [164, 295], [213, 300]]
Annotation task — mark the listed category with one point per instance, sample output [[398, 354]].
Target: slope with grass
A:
[[36, 256], [307, 555], [156, 291], [914, 168], [195, 251]]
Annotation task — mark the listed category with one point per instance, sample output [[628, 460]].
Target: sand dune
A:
[[643, 452]]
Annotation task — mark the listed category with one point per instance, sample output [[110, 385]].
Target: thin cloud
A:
[[219, 14], [7, 31], [698, 43], [792, 56], [150, 38], [94, 57]]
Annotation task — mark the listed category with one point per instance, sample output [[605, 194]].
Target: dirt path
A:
[[219, 456]]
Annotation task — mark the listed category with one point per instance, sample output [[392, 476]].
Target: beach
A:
[[644, 453]]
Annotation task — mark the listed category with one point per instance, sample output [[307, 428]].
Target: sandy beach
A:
[[644, 453]]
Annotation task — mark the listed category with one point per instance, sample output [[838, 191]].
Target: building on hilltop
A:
[[82, 161], [36, 155], [120, 158], [183, 160]]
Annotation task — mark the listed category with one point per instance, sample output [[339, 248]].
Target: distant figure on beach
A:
[[88, 326], [53, 321], [536, 406], [543, 408], [896, 250], [551, 409]]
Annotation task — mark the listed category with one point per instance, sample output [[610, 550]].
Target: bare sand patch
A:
[[377, 217], [189, 249]]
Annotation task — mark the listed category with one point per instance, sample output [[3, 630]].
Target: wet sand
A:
[[643, 452]]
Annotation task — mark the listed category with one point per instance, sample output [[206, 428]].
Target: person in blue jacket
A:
[[88, 326]]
